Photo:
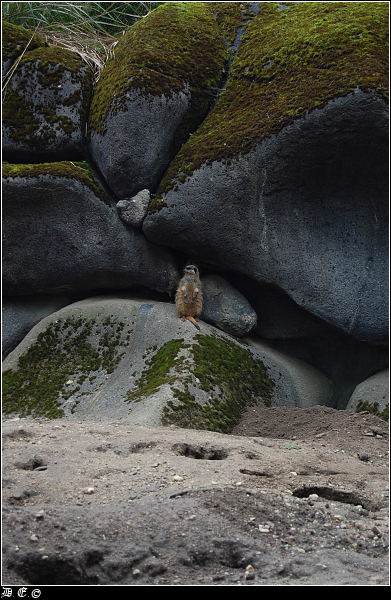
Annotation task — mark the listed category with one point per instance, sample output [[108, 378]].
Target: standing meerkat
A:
[[188, 298]]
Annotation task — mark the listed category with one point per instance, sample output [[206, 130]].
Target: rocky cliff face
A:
[[258, 135]]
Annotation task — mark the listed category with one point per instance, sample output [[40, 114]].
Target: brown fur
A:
[[188, 298]]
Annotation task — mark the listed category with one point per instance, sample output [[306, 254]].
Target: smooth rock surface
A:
[[226, 308], [74, 240], [21, 313]]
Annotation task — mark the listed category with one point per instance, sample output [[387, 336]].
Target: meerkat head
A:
[[190, 270]]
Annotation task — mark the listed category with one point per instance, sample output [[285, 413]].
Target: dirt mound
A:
[[349, 431]]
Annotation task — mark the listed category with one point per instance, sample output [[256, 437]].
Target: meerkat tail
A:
[[192, 320]]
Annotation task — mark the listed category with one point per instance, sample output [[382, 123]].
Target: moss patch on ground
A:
[[231, 376], [289, 63], [177, 47], [78, 170], [30, 122], [63, 351]]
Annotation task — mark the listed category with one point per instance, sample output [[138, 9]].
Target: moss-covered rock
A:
[[124, 358], [77, 170], [73, 238], [14, 41], [66, 360], [289, 63], [154, 91], [230, 16], [233, 379], [45, 107], [286, 177]]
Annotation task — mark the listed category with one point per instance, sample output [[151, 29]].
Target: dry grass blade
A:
[[94, 51], [14, 66]]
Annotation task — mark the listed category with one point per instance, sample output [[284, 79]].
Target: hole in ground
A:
[[200, 452], [333, 494], [31, 464]]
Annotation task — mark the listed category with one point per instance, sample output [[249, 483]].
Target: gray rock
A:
[[133, 210], [372, 393], [73, 238], [21, 313], [226, 308], [291, 214], [297, 383], [131, 155], [45, 107], [155, 371], [150, 97], [341, 358]]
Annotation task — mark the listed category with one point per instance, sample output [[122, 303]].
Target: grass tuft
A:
[[91, 29]]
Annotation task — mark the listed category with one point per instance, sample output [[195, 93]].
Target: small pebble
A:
[[363, 456]]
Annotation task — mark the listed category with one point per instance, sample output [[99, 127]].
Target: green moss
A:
[[157, 373], [39, 385], [289, 63], [230, 374], [373, 408], [31, 123], [176, 47], [234, 379], [230, 16], [80, 171], [15, 39]]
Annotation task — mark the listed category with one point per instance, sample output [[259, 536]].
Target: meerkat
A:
[[188, 298]]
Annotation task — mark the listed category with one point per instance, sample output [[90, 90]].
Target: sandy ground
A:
[[292, 497]]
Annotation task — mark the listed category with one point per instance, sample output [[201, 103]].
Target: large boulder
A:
[[135, 360], [154, 91], [286, 180], [62, 234], [45, 107]]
